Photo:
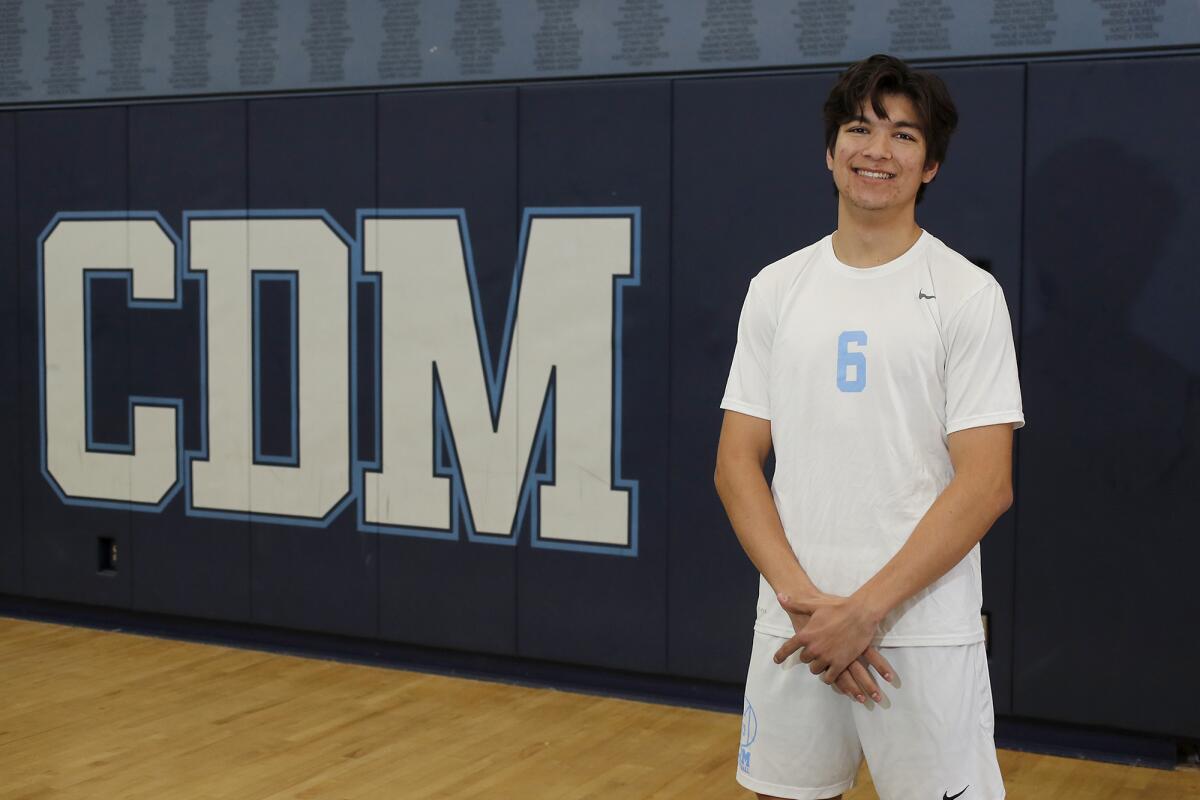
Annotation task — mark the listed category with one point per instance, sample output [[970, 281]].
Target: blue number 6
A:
[[847, 359]]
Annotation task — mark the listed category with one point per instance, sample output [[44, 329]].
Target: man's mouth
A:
[[868, 173]]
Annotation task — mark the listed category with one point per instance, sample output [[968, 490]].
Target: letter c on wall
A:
[[73, 253]]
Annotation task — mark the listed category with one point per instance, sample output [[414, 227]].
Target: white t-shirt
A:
[[863, 373]]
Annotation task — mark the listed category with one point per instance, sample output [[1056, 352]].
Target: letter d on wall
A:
[[229, 252]]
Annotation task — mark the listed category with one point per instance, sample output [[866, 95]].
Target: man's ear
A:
[[829, 159], [931, 171]]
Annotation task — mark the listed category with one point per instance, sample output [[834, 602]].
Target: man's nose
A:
[[879, 146]]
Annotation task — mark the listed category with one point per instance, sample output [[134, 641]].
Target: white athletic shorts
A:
[[931, 738]]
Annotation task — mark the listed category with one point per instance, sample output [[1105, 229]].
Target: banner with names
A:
[[85, 50]]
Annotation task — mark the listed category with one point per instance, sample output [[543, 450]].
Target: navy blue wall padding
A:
[[1068, 181], [974, 207], [454, 149], [68, 160], [1110, 465], [10, 332], [750, 186], [608, 144], [185, 156], [314, 153], [276, 360]]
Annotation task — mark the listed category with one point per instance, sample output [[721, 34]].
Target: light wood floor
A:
[[109, 716]]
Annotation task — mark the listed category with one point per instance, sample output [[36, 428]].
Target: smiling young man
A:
[[879, 365]]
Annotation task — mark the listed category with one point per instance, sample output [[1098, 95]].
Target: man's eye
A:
[[857, 129], [907, 136]]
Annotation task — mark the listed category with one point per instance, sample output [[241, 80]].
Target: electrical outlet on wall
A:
[[108, 556]]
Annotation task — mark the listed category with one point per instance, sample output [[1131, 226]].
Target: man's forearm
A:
[[751, 509], [957, 520]]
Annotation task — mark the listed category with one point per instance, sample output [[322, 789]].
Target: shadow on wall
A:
[[1110, 459], [1129, 401]]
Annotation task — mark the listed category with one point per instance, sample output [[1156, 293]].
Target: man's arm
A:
[[741, 455], [979, 493]]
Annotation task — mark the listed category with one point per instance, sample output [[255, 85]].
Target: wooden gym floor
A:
[[96, 714]]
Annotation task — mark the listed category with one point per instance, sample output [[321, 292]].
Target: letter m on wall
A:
[[532, 440]]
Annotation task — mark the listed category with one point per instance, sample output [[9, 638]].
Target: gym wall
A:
[[1069, 181]]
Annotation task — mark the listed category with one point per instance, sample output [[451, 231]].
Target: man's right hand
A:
[[855, 681]]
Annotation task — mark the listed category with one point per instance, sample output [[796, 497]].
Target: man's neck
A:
[[867, 239]]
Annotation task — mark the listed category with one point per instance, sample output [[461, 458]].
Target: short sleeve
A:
[[747, 390], [982, 387]]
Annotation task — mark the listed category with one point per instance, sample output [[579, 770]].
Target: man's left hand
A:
[[838, 631]]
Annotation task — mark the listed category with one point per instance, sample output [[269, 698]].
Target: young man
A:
[[879, 365]]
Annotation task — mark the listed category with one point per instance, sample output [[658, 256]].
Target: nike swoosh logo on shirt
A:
[[952, 796]]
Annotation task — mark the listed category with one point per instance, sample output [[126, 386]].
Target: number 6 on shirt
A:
[[847, 359]]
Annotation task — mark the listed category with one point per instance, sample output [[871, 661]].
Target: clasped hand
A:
[[833, 636]]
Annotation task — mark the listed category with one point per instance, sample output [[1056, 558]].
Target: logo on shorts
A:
[[922, 296], [948, 796], [749, 734]]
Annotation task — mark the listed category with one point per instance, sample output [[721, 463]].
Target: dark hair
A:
[[880, 75]]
